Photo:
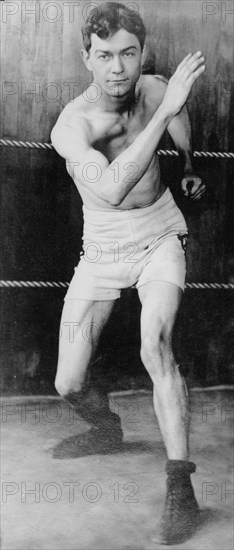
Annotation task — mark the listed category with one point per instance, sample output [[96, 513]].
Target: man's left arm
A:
[[180, 131]]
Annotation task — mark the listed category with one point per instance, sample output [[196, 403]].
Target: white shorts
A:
[[127, 248]]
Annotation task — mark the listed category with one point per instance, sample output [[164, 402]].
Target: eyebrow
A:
[[121, 51]]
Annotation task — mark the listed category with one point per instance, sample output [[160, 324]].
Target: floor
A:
[[110, 501]]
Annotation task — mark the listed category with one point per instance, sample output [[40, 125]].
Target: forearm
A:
[[180, 131], [186, 156], [115, 180]]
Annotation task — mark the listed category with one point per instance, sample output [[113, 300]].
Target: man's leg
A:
[[160, 302], [81, 325]]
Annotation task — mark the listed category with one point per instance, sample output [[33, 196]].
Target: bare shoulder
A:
[[72, 131], [77, 109]]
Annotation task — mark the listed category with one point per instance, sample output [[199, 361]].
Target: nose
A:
[[117, 66]]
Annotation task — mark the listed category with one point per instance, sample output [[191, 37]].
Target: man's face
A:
[[115, 62]]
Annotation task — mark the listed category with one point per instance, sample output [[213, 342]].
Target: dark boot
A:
[[181, 513], [105, 435]]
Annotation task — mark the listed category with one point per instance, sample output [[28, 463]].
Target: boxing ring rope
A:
[[161, 152], [61, 284]]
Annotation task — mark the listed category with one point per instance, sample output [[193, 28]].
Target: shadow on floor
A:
[[211, 515], [78, 446]]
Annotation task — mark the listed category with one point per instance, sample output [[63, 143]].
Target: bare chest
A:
[[117, 140]]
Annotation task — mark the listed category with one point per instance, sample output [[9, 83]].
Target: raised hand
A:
[[181, 82]]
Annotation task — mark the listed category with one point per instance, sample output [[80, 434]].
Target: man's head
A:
[[114, 37]]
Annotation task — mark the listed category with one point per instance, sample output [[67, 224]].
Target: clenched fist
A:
[[193, 187]]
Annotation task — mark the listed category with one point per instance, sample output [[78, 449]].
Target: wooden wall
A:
[[41, 209], [41, 51]]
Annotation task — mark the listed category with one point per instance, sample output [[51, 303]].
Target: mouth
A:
[[117, 81]]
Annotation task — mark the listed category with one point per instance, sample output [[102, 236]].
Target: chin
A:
[[119, 91]]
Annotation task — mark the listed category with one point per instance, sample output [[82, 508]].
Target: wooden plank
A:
[[27, 83], [156, 19], [10, 73], [75, 76]]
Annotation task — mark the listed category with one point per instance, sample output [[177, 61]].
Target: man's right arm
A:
[[93, 169], [71, 139], [108, 181]]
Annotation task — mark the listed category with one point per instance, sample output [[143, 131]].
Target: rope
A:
[[204, 154], [210, 286], [26, 144], [161, 152], [60, 284], [33, 284]]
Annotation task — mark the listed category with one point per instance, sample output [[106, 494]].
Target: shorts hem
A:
[[93, 298], [176, 283]]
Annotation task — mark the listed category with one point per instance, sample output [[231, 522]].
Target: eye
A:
[[103, 56], [129, 54]]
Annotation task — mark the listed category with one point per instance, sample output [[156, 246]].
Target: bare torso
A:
[[149, 189]]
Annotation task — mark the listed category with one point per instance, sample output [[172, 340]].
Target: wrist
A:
[[189, 171], [165, 113]]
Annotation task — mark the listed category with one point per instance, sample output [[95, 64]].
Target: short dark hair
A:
[[108, 18]]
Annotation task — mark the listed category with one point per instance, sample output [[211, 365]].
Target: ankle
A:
[[180, 467]]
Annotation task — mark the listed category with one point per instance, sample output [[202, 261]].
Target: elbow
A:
[[115, 200], [53, 137], [111, 196], [112, 201], [58, 142]]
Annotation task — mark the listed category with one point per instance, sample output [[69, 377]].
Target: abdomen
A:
[[147, 190]]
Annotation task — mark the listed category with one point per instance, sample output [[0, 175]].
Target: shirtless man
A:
[[134, 234]]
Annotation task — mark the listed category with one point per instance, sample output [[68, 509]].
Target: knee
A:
[[64, 387], [150, 348], [155, 347]]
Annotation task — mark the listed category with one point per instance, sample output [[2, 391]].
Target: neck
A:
[[120, 104]]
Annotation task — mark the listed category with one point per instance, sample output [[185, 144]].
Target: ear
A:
[[144, 54], [86, 59]]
